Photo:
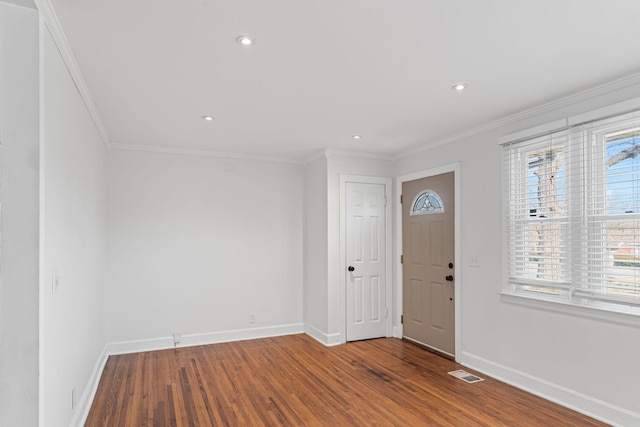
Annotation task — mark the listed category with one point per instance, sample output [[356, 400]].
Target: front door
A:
[[428, 255], [365, 260]]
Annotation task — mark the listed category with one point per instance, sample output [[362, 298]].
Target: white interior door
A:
[[366, 261]]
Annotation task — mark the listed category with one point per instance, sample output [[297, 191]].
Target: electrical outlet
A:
[[177, 338], [74, 398], [474, 261], [55, 282], [252, 318]]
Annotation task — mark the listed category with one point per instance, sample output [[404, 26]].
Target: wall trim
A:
[[165, 343], [29, 4], [576, 98], [201, 153], [568, 309], [328, 340], [588, 405], [328, 152], [543, 129], [358, 154], [397, 332], [605, 112], [62, 43], [322, 154], [81, 412]]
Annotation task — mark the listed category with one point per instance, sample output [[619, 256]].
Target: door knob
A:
[[351, 268], [449, 278]]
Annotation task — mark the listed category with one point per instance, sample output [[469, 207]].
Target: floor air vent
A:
[[466, 376]]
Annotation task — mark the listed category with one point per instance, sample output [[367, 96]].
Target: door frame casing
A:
[[457, 271], [362, 179]]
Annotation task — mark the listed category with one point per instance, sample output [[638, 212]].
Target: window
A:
[[538, 214], [572, 214], [427, 202]]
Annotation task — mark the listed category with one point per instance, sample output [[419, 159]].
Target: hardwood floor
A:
[[295, 381]]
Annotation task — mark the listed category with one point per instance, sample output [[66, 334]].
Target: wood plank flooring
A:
[[295, 381]]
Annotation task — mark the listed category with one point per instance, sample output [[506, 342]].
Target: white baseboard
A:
[[164, 343], [81, 412], [588, 405], [397, 331], [328, 340], [136, 346]]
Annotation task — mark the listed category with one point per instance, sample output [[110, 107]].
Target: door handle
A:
[[351, 268], [449, 278]]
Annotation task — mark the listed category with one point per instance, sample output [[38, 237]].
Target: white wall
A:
[[73, 239], [583, 362], [315, 249], [196, 244], [323, 304], [19, 194]]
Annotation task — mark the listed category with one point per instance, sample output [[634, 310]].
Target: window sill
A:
[[584, 311]]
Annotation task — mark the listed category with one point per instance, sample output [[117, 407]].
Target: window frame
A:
[[524, 221], [572, 294], [595, 150]]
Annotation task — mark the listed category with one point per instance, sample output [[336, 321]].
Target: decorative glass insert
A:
[[427, 202]]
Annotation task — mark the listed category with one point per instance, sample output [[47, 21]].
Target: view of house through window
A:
[[617, 213], [547, 209], [573, 213]]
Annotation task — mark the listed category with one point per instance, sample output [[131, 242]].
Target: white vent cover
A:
[[466, 376]]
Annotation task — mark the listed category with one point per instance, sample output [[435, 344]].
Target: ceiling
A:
[[323, 71]]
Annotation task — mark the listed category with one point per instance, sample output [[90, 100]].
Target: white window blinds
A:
[[572, 213], [537, 213]]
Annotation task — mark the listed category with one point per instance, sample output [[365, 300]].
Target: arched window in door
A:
[[427, 202]]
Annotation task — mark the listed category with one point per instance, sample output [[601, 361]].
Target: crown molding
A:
[[324, 153], [362, 155], [318, 155], [29, 4], [62, 43], [594, 92], [328, 152], [202, 153]]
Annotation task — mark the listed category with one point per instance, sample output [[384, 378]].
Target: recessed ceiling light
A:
[[245, 41], [207, 118], [356, 136], [459, 87]]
